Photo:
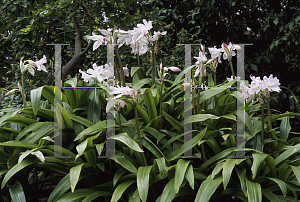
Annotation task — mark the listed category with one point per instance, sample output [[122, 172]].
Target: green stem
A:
[[160, 103], [118, 75], [23, 93], [119, 119], [138, 131], [262, 123], [198, 96], [272, 134], [215, 79], [153, 68], [232, 72], [121, 67], [138, 58]]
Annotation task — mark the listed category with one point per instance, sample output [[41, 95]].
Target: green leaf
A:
[[143, 182], [25, 154], [285, 128], [15, 143], [281, 184], [117, 175], [120, 190], [81, 120], [207, 189], [178, 126], [289, 152], [101, 126], [141, 83], [35, 99], [257, 160], [160, 163], [217, 169], [241, 172], [95, 195], [296, 171], [74, 176], [270, 196], [150, 103], [80, 193], [123, 137], [219, 156], [253, 191], [168, 193], [193, 142], [125, 163], [62, 187], [16, 169], [275, 21], [99, 148], [227, 170], [152, 147], [39, 133], [21, 120], [48, 93], [189, 176], [17, 193], [201, 118], [181, 167]]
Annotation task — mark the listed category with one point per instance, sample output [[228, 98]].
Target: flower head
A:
[[31, 64], [98, 38], [272, 84]]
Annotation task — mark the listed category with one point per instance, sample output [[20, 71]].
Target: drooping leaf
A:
[[16, 192], [181, 167], [207, 189], [143, 181], [74, 176]]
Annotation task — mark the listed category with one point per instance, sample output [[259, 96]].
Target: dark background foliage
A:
[[27, 26]]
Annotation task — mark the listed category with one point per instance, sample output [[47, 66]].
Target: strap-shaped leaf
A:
[[254, 191], [192, 143], [257, 160], [16, 192], [35, 99], [207, 189], [168, 193], [143, 181], [181, 167], [120, 190], [74, 176], [189, 176], [281, 184], [16, 169], [178, 126]]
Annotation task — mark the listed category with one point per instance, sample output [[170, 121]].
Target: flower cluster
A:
[[260, 87], [228, 51], [99, 72], [139, 38], [202, 61], [31, 65]]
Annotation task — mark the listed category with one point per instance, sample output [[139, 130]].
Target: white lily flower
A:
[[99, 72], [98, 38], [272, 84], [231, 78], [216, 53], [85, 76]]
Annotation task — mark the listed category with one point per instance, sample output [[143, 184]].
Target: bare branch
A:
[[78, 45]]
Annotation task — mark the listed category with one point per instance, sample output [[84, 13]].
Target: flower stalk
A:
[[121, 68], [272, 133], [153, 68], [23, 92]]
